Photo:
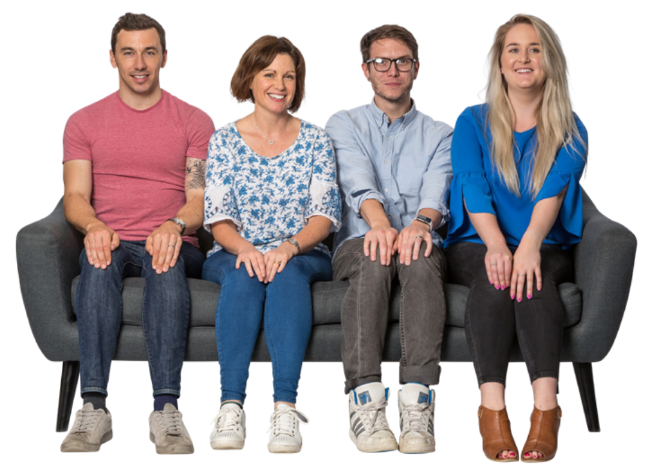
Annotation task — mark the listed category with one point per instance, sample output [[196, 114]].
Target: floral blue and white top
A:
[[271, 199]]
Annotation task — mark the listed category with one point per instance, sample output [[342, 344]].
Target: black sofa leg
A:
[[69, 378], [585, 380]]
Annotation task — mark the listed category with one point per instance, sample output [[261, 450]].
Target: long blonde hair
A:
[[554, 117]]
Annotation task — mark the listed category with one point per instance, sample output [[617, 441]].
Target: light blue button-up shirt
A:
[[404, 165]]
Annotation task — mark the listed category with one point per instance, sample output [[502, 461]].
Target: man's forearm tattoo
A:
[[195, 174]]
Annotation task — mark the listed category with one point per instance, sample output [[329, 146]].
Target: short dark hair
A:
[[258, 57], [388, 31], [136, 22]]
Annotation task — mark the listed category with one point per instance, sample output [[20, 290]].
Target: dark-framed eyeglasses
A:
[[403, 64]]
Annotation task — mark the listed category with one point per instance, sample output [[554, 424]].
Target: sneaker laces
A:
[[415, 418], [87, 420], [285, 421], [374, 417], [227, 420], [171, 422]]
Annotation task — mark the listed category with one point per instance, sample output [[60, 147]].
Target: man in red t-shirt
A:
[[133, 170]]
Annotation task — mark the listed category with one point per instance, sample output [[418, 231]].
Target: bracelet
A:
[[294, 242]]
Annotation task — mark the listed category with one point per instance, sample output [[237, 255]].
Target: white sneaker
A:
[[285, 437], [168, 433], [91, 429], [369, 429], [416, 405], [230, 428]]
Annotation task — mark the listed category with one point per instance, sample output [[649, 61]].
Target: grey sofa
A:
[[48, 252]]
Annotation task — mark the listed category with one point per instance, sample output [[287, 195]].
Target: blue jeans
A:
[[165, 314], [287, 304]]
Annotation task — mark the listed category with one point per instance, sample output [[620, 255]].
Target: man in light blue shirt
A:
[[394, 171]]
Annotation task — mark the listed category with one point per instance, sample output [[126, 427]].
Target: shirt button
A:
[[388, 138], [386, 162], [386, 190]]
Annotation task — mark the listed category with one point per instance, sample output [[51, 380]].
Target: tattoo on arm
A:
[[195, 174]]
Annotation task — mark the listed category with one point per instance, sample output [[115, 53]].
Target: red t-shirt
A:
[[138, 159]]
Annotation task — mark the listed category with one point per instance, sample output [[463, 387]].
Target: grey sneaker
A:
[[416, 405], [91, 429], [229, 431], [285, 437], [167, 431], [369, 428]]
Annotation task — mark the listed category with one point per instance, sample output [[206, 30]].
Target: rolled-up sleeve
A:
[[566, 172], [436, 180], [357, 178], [325, 199], [219, 197], [469, 183]]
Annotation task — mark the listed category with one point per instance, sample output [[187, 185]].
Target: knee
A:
[[425, 268]]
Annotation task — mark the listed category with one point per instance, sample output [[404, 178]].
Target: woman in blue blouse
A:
[[516, 209], [271, 198]]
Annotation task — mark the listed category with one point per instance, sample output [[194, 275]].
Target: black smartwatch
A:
[[425, 220]]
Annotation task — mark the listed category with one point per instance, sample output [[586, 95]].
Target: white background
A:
[[56, 60]]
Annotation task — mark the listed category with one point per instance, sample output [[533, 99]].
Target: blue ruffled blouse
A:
[[477, 181]]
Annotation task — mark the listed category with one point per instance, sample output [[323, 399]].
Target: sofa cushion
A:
[[326, 302]]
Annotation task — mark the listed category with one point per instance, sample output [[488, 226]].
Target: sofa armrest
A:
[[603, 263], [47, 252]]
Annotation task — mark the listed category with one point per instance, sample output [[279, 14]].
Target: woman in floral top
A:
[[271, 198]]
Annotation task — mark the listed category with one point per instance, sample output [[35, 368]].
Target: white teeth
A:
[[277, 96], [524, 70], [139, 76]]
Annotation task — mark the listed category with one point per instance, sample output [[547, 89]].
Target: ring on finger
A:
[[278, 263], [170, 245], [493, 264], [522, 274], [418, 237]]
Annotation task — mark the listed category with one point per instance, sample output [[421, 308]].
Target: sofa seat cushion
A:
[[326, 302]]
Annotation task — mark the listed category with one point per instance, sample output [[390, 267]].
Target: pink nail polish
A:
[[512, 454], [519, 299], [502, 288], [528, 296], [490, 282], [497, 286], [513, 297]]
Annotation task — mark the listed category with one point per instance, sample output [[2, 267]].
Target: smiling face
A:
[[138, 58], [393, 85], [521, 59], [273, 87]]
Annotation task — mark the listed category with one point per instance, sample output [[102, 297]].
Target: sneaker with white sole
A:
[[369, 429], [229, 429], [416, 405], [91, 429], [285, 436], [167, 431]]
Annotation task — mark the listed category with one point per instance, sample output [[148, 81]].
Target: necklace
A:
[[271, 142]]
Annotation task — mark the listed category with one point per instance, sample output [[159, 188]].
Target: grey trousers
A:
[[365, 314]]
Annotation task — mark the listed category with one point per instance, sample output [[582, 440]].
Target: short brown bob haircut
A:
[[258, 57], [388, 31], [136, 22]]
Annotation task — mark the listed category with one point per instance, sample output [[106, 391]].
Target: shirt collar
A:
[[379, 116]]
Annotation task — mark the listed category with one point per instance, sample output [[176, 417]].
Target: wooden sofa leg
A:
[[585, 380], [69, 378]]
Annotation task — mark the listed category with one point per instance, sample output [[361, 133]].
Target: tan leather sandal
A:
[[495, 429], [543, 436]]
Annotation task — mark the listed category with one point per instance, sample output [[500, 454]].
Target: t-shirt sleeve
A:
[[325, 199], [75, 142], [566, 172], [219, 197], [199, 130], [469, 181]]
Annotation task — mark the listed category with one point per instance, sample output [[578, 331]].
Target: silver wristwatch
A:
[[179, 222], [294, 242], [426, 220]]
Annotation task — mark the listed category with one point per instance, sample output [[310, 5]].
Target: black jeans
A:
[[365, 314], [493, 319]]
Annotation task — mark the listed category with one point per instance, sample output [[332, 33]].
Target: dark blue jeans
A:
[[165, 314], [287, 313]]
